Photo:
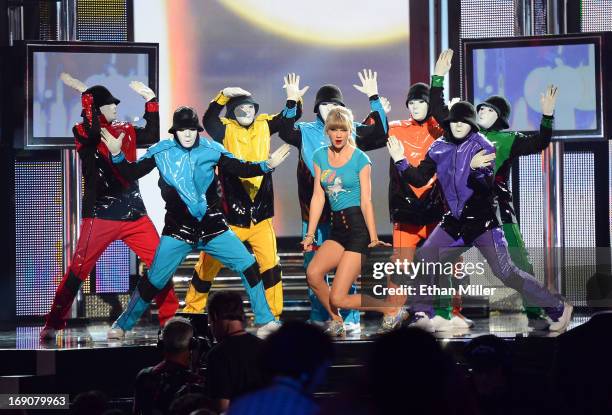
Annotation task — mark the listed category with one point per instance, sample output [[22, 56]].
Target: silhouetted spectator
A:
[[581, 377], [90, 403], [489, 359], [233, 367], [157, 386], [296, 357], [189, 403]]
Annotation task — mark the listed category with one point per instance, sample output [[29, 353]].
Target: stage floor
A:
[[504, 325]]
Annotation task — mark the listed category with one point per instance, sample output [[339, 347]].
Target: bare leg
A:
[[346, 273], [327, 258]]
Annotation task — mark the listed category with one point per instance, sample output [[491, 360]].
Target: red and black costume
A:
[[112, 207]]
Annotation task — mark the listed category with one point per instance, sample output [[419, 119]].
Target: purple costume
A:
[[471, 219]]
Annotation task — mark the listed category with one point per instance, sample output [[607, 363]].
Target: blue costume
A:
[[194, 220]]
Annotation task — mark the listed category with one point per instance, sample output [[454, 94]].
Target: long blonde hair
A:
[[340, 118]]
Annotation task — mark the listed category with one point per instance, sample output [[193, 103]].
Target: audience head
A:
[[300, 351], [599, 292], [225, 314], [177, 339], [489, 359], [404, 364]]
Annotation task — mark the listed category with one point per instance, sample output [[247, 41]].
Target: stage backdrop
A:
[[208, 45]]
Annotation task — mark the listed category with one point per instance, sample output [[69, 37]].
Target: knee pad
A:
[[147, 290], [271, 277], [252, 275], [200, 286]]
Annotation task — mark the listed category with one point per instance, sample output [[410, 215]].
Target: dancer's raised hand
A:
[[73, 82], [142, 90], [369, 82], [292, 87], [234, 91], [548, 100], [386, 104], [444, 63]]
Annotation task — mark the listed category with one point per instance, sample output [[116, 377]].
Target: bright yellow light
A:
[[328, 22]]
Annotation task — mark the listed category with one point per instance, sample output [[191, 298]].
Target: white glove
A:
[[453, 102], [396, 149], [278, 156], [142, 90], [481, 160], [369, 83], [443, 64], [234, 91], [73, 82], [548, 100], [386, 104], [292, 87], [113, 144]]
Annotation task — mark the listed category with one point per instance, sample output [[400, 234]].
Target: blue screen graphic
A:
[[521, 74]]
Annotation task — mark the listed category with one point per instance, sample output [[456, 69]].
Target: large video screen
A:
[[520, 70], [52, 108], [56, 107]]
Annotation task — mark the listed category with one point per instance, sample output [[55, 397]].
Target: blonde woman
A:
[[342, 171]]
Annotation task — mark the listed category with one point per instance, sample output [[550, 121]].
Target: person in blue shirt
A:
[[193, 220], [342, 172], [307, 137]]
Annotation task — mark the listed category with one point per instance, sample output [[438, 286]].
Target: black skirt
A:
[[349, 230]]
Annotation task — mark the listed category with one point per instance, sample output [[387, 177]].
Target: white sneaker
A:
[[564, 320], [352, 328], [439, 323], [422, 321], [460, 321], [47, 333], [115, 333], [265, 330]]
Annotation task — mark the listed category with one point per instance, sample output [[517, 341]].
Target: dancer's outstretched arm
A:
[[150, 132]]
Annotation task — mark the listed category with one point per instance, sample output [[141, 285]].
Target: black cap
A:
[[101, 96], [418, 91], [328, 93], [501, 106], [462, 111], [234, 102], [185, 118]]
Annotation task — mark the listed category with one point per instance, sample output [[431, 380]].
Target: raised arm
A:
[[286, 119], [525, 144], [150, 132], [437, 107], [372, 133], [130, 171]]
